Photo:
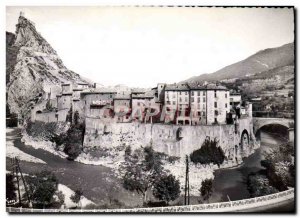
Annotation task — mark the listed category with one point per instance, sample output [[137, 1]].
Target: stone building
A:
[[217, 104], [235, 100], [121, 104], [140, 104], [95, 101], [177, 103]]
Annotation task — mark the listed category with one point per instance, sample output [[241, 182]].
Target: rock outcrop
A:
[[33, 68]]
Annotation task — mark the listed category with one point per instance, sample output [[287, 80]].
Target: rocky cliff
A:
[[33, 68]]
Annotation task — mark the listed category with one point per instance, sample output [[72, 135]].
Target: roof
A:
[[82, 83], [122, 97], [67, 93], [142, 96], [177, 87], [138, 91]]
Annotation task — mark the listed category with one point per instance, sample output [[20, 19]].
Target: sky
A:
[[143, 46]]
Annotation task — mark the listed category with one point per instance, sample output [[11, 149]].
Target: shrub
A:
[[10, 187], [43, 186], [208, 153], [206, 189], [76, 196], [166, 188], [258, 185], [74, 141]]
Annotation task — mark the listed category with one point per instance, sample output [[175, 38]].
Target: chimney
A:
[[22, 14]]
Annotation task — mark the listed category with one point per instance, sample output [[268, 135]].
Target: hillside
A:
[[33, 68], [261, 61]]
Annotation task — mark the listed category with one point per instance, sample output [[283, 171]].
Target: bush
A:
[[74, 141], [206, 189], [166, 188], [10, 187], [258, 185], [43, 186], [76, 196], [208, 153]]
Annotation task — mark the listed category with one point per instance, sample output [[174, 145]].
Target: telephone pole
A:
[[187, 183]]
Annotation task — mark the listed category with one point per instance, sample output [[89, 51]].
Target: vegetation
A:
[[73, 141], [141, 171], [10, 187], [258, 185], [206, 189], [76, 118], [69, 115], [208, 153], [76, 196], [166, 188], [43, 186], [279, 167]]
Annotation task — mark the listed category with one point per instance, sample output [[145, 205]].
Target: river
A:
[[99, 183]]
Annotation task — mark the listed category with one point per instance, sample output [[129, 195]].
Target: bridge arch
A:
[[258, 123]]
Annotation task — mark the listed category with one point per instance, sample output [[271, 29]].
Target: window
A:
[[198, 106], [192, 93], [216, 105], [225, 95], [180, 99], [226, 105], [203, 113], [186, 99], [216, 113], [174, 103], [186, 93], [198, 100], [198, 93], [215, 94], [204, 106], [192, 100], [203, 99], [199, 113], [204, 93]]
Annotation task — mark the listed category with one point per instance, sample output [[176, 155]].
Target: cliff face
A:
[[33, 68]]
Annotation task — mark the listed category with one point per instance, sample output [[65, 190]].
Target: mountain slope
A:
[[33, 68], [261, 61]]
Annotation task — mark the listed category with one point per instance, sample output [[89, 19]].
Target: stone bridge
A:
[[259, 122]]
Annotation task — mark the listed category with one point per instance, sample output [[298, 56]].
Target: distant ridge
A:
[[261, 61]]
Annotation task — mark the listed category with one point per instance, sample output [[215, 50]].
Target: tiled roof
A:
[[177, 87]]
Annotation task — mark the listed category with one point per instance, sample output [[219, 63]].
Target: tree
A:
[[43, 186], [69, 115], [166, 188], [76, 118], [206, 189], [141, 170], [10, 187], [61, 198], [258, 185], [76, 196], [208, 153], [73, 141]]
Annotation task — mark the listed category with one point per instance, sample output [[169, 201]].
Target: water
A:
[[97, 182], [231, 183]]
